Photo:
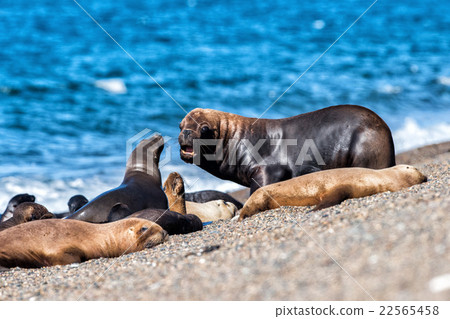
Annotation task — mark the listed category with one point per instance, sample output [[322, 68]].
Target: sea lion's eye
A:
[[144, 229], [204, 129]]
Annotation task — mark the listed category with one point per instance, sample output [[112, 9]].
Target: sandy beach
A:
[[390, 246]]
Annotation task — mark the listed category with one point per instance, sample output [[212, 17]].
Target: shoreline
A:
[[392, 244]]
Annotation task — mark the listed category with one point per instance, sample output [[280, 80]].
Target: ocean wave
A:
[[444, 80], [116, 86], [53, 194], [412, 135]]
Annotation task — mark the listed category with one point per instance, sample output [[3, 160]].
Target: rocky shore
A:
[[390, 246]]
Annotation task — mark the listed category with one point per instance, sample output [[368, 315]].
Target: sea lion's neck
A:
[[177, 204], [238, 127], [133, 172], [112, 245]]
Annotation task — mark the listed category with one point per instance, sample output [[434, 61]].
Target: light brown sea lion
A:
[[258, 152], [209, 195], [64, 241], [26, 212], [328, 188], [209, 211]]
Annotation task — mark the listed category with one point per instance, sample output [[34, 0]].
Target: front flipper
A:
[[334, 197], [118, 211]]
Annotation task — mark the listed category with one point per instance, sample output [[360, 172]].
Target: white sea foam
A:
[[444, 80], [390, 89], [412, 135], [318, 24], [116, 86], [52, 194]]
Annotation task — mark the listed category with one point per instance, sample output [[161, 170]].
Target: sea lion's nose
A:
[[186, 133]]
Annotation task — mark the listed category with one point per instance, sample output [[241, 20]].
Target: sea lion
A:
[[330, 187], [174, 223], [209, 211], [64, 241], [209, 195], [258, 152], [140, 188], [212, 211], [76, 202], [26, 212], [13, 202]]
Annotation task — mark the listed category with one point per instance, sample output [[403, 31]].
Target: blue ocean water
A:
[[70, 97]]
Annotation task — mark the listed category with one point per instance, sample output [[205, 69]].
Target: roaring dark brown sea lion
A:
[[209, 195], [62, 241], [26, 212], [330, 187], [255, 152], [209, 211], [140, 188], [13, 202]]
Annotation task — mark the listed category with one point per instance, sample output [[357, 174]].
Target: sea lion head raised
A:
[[174, 189], [145, 157], [199, 124], [142, 233], [76, 202], [174, 185]]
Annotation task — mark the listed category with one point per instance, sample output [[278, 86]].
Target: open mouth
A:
[[187, 150]]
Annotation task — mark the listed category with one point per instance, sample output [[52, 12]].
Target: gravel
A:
[[390, 246]]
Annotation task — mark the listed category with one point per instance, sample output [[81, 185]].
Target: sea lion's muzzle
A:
[[186, 140]]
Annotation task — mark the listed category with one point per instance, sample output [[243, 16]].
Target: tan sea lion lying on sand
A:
[[64, 241], [330, 187], [209, 211], [26, 212]]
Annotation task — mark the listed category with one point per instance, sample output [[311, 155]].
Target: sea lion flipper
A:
[[118, 211], [334, 197]]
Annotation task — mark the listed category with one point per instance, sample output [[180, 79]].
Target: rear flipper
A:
[[334, 197]]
